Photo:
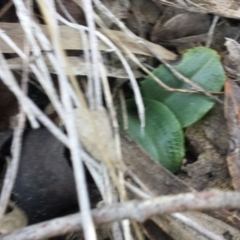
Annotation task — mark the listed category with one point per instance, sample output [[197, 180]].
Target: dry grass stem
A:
[[11, 174], [89, 15], [123, 109], [75, 149], [110, 106]]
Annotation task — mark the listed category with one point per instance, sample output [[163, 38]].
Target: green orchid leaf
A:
[[201, 65], [162, 136]]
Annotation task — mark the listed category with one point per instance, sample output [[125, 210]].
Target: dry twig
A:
[[211, 31], [11, 173], [138, 210]]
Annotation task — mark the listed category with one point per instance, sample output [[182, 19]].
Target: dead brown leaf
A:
[[96, 135], [226, 8], [14, 31], [13, 220], [179, 26]]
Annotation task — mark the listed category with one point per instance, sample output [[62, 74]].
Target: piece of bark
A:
[[160, 181], [157, 179], [232, 115], [205, 164]]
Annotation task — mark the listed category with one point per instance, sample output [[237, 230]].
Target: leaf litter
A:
[[51, 181]]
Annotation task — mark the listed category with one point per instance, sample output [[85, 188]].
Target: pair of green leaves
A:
[[168, 112]]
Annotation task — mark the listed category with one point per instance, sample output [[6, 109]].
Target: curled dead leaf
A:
[[13, 220]]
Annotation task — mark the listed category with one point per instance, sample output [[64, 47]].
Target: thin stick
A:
[[123, 109], [84, 38], [113, 115], [88, 11], [211, 30], [181, 217], [10, 177], [138, 210]]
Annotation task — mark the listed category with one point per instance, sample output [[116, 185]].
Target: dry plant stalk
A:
[[135, 209]]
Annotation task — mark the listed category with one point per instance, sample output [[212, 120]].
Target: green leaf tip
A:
[[201, 65], [162, 137]]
